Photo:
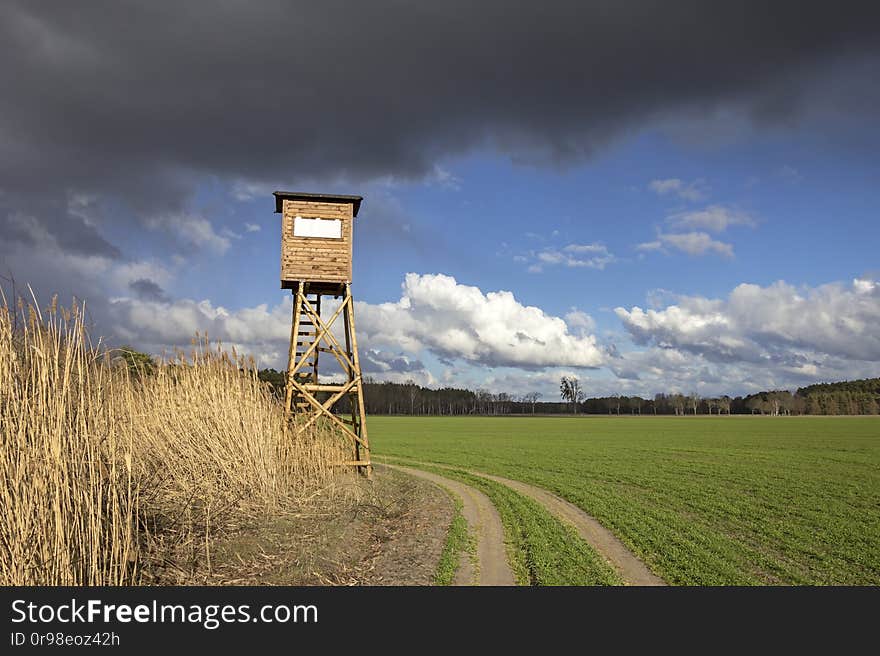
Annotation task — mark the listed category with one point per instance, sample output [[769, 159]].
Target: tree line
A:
[[858, 397]]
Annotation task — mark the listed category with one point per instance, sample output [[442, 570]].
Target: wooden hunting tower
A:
[[316, 250]]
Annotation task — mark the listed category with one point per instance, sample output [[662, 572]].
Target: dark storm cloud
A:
[[382, 362], [147, 290], [140, 100], [31, 220]]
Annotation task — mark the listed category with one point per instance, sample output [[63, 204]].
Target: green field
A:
[[703, 500]]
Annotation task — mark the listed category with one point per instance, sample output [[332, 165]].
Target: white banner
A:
[[323, 228]]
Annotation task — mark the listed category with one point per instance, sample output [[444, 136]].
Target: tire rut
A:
[[630, 567], [484, 522]]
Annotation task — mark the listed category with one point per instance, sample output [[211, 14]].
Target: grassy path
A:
[[628, 566], [630, 569], [541, 549], [460, 549], [491, 567]]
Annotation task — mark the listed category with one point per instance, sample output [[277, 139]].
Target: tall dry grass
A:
[[106, 473]]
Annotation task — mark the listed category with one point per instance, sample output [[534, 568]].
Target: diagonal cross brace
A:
[[325, 333], [322, 410], [320, 334], [328, 404]]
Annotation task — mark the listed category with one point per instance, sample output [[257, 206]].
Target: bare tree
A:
[[531, 398], [413, 391], [570, 389], [678, 402]]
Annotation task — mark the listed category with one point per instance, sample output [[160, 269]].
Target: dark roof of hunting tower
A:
[[281, 196]]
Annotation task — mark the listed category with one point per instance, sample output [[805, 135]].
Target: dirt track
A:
[[484, 522], [631, 569]]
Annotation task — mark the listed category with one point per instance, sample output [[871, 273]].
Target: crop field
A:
[[702, 500]]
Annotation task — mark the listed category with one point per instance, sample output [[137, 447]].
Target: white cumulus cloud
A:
[[158, 326], [779, 324], [457, 321], [434, 313]]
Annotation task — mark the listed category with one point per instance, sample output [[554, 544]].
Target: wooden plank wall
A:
[[311, 258]]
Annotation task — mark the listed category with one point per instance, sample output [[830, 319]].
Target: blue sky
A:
[[807, 218], [695, 214], [814, 222]]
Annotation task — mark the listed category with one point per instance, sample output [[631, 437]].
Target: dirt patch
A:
[[393, 535], [410, 557], [484, 522]]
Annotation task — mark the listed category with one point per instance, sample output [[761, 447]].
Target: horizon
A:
[[368, 380]]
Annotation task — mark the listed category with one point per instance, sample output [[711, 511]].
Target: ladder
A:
[[305, 337]]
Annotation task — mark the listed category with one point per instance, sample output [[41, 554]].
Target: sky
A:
[[649, 196]]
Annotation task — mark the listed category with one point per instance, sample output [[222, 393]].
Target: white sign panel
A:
[[324, 228]]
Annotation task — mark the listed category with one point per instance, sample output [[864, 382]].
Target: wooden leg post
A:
[[352, 396], [366, 468]]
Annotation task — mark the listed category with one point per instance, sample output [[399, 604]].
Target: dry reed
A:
[[105, 472]]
